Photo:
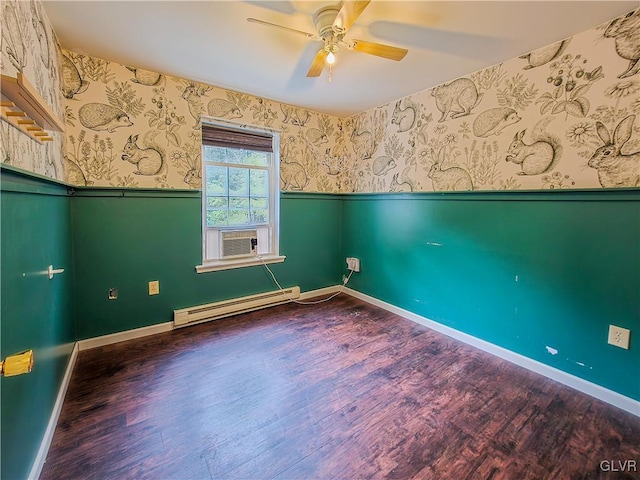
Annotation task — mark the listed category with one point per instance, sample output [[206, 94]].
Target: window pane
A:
[[259, 210], [238, 217], [259, 202], [217, 180], [217, 218], [260, 159], [222, 155], [259, 183], [238, 181], [239, 202], [237, 156], [217, 202]]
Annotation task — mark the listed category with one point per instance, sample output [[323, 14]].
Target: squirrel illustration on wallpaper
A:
[[537, 157], [405, 117], [149, 161]]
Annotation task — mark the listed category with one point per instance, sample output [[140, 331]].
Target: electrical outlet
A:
[[619, 336], [154, 287], [353, 264]]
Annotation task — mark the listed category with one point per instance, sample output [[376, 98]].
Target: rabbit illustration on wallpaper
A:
[[626, 31], [293, 175], [616, 169], [193, 94], [457, 98], [449, 179]]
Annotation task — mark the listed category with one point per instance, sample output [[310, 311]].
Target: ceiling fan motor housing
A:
[[324, 18]]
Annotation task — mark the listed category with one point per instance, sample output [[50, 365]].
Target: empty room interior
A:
[[313, 239]]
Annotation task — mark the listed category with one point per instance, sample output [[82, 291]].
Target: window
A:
[[240, 197]]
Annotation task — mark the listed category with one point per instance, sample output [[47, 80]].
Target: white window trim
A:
[[217, 265], [274, 257]]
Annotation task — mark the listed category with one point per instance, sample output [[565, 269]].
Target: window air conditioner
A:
[[238, 243]]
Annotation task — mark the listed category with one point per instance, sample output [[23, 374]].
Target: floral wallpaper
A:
[[564, 116], [28, 45], [134, 128]]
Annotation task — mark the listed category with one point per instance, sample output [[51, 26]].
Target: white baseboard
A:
[[89, 343], [103, 340], [625, 403], [319, 292], [41, 457]]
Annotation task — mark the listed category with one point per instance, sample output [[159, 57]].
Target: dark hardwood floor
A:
[[341, 390]]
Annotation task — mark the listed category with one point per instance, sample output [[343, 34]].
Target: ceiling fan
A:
[[332, 23]]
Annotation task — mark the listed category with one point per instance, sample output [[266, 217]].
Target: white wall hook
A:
[[52, 272]]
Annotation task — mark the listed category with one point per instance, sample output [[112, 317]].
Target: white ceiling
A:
[[211, 42]]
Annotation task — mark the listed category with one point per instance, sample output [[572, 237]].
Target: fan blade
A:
[[318, 64], [378, 49], [306, 34], [348, 14]]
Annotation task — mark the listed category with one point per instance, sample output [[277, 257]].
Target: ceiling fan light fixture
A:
[[331, 58]]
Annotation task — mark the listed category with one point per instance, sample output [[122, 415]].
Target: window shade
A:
[[230, 138]]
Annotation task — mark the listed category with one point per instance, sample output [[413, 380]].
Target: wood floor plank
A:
[[340, 390]]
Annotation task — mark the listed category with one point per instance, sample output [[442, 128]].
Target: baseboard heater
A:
[[234, 306]]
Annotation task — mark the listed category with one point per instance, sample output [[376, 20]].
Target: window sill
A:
[[218, 265]]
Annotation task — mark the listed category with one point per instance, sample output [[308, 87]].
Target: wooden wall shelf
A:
[[24, 108]]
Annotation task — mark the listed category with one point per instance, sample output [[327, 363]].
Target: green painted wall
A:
[[520, 270], [125, 241], [36, 313]]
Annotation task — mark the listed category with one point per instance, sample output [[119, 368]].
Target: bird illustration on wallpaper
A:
[[148, 160], [494, 120], [626, 31], [41, 33], [544, 55], [144, 77], [616, 169], [13, 35], [539, 156], [448, 179], [193, 94], [456, 99], [102, 117], [72, 82], [405, 117]]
